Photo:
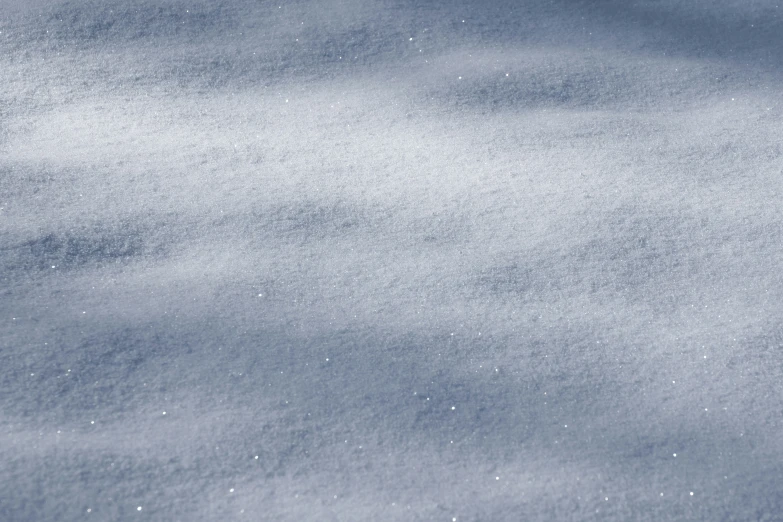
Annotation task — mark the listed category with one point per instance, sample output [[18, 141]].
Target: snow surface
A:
[[391, 260]]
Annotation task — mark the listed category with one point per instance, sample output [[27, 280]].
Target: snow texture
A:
[[391, 260]]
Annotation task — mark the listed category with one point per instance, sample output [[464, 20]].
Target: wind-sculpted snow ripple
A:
[[390, 260]]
